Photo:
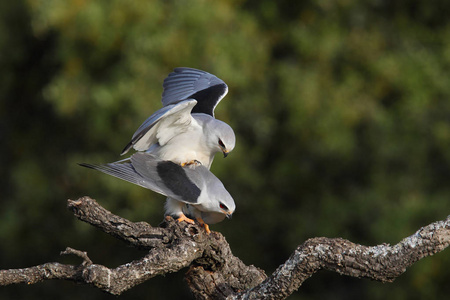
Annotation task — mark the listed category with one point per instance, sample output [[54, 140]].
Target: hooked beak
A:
[[225, 153], [229, 215]]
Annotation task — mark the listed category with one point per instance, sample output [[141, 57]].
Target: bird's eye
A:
[[223, 206], [221, 143]]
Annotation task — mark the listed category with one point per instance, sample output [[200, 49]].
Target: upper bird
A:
[[184, 130]]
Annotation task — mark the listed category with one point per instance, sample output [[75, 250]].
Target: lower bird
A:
[[193, 189]]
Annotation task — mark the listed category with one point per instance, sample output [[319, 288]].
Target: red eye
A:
[[221, 143], [223, 206]]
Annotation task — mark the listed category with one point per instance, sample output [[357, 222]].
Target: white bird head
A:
[[220, 136], [216, 199]]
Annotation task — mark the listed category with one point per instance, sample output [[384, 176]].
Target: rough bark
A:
[[214, 272]]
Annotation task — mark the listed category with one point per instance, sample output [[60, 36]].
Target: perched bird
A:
[[193, 188], [184, 130]]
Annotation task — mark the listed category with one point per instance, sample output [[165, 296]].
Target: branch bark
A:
[[214, 272]]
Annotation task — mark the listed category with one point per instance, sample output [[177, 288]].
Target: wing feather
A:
[[175, 180], [163, 177], [159, 127], [202, 86]]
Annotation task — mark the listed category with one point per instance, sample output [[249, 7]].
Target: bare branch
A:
[[86, 260], [172, 246], [214, 273], [39, 273], [139, 234], [382, 263]]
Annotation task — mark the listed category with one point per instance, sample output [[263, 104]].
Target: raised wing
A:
[[184, 83], [163, 125]]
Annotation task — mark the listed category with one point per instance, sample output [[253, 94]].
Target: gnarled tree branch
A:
[[382, 263], [213, 270]]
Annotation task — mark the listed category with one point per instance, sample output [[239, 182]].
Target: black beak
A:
[[229, 216], [225, 154]]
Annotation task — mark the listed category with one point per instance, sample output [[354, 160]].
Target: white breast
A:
[[185, 147]]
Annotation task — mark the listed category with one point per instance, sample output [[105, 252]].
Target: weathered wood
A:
[[214, 272], [382, 263]]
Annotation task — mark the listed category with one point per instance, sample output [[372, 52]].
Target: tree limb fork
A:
[[213, 271]]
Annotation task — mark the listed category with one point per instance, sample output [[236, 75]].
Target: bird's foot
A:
[[193, 163], [203, 224], [185, 219]]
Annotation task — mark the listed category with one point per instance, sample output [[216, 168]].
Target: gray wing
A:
[[159, 127], [179, 181], [202, 86], [163, 177], [124, 171], [190, 184]]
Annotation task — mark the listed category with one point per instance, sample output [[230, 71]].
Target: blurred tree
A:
[[340, 108]]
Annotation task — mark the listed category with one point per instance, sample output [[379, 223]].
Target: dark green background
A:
[[341, 111]]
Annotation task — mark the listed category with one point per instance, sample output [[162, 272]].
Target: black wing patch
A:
[[186, 83], [174, 177], [207, 99]]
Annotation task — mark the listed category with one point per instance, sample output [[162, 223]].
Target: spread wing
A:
[[184, 83], [162, 126]]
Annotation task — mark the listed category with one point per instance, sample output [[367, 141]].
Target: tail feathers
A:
[[127, 172], [124, 171]]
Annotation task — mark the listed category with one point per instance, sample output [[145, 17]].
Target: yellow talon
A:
[[207, 228], [185, 219], [203, 224], [192, 162]]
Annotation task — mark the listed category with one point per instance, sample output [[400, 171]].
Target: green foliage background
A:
[[341, 110]]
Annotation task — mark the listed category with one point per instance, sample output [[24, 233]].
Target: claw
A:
[[206, 228], [203, 224], [191, 163], [185, 219]]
